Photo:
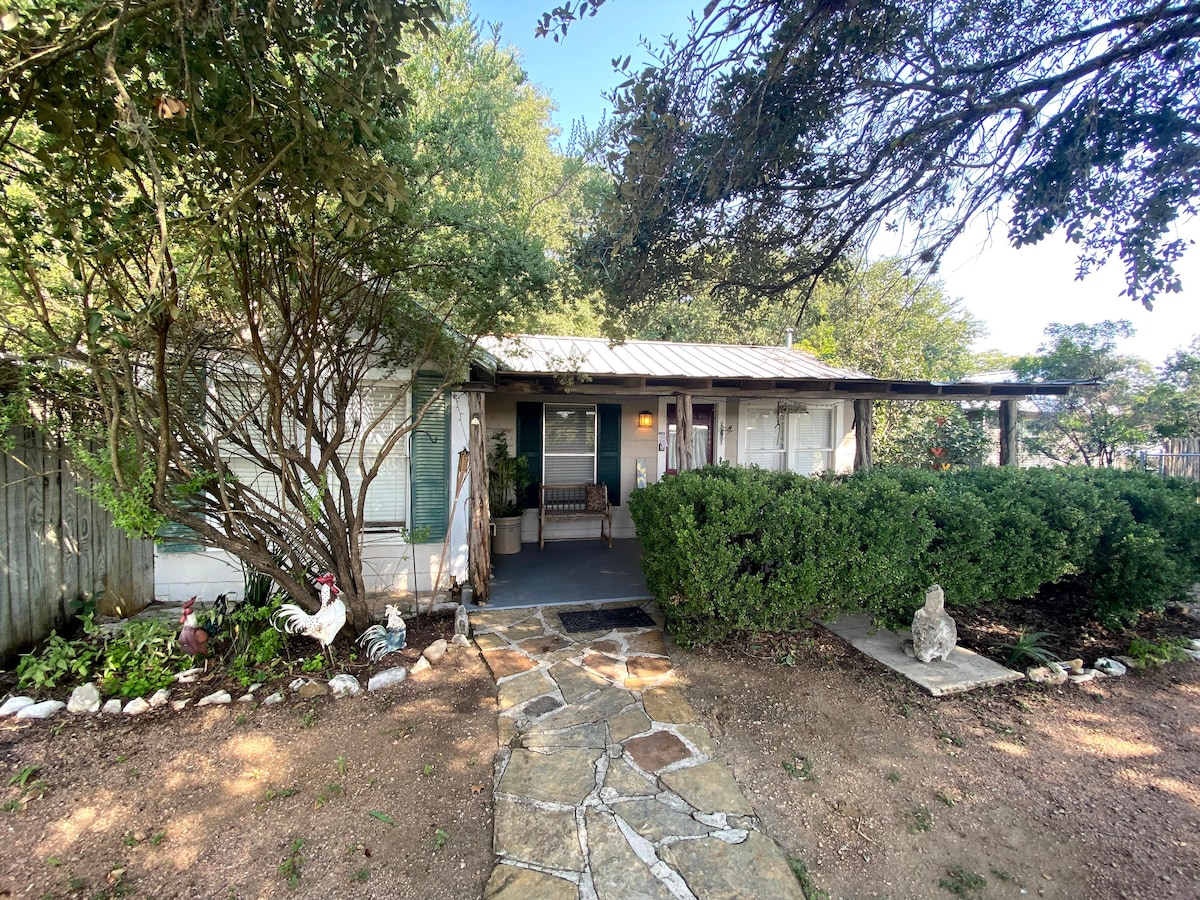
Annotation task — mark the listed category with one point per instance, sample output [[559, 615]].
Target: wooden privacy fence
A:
[[57, 544], [1179, 457]]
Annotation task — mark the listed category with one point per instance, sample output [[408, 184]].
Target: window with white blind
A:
[[240, 408], [796, 441], [381, 408], [569, 445]]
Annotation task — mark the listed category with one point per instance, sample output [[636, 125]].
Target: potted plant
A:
[[508, 476]]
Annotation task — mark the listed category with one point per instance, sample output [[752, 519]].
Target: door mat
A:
[[596, 619]]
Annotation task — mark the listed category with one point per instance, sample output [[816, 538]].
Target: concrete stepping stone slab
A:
[[709, 787], [605, 665], [489, 641], [750, 870], [601, 706], [504, 663], [625, 782], [575, 682], [523, 687], [617, 872], [647, 642], [654, 820], [627, 724], [564, 776], [669, 705], [547, 643], [514, 883], [656, 751], [506, 731], [648, 666], [544, 837], [591, 735]]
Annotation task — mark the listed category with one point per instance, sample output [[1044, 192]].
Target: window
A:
[[378, 413], [570, 444], [799, 441]]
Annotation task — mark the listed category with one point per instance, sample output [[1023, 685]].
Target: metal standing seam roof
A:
[[545, 355]]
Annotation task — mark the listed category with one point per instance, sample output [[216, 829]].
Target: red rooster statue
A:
[[323, 625], [192, 638]]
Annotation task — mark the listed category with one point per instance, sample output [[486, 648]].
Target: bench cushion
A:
[[596, 499]]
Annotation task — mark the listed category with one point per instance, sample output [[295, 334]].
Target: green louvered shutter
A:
[[608, 449], [529, 445], [431, 459]]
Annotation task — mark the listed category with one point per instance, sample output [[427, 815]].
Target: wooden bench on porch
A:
[[574, 501]]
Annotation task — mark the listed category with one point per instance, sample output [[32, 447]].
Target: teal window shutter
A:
[[431, 458], [608, 449], [529, 445], [172, 537]]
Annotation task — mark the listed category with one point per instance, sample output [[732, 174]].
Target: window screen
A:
[[378, 413]]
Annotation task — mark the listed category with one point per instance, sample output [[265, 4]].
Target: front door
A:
[[703, 418]]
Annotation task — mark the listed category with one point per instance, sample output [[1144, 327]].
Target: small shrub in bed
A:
[[739, 550]]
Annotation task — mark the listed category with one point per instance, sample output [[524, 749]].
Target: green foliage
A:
[[143, 657], [59, 662], [292, 864], [1029, 648], [962, 881], [255, 644], [508, 476], [1158, 653], [743, 550]]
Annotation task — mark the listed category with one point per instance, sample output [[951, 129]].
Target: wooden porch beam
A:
[[479, 526], [864, 434], [1010, 427]]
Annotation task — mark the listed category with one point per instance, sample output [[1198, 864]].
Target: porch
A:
[[568, 572]]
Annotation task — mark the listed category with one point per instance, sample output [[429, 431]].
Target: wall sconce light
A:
[[645, 420]]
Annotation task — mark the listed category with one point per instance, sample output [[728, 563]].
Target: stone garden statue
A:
[[934, 632]]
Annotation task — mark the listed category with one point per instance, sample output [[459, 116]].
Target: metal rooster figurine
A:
[[323, 625], [379, 641]]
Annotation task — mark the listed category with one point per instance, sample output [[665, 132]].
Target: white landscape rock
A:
[[462, 622], [189, 676], [387, 678], [1110, 667], [421, 665], [345, 685], [216, 699], [461, 640], [111, 707], [177, 705], [85, 699], [136, 706], [43, 710], [296, 684], [14, 705], [160, 698], [276, 697], [435, 651]]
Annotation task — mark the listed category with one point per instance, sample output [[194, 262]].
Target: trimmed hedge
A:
[[728, 550]]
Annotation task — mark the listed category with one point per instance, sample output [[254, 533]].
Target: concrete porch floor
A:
[[568, 572]]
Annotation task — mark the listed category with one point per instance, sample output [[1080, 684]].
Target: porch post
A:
[[1010, 428], [479, 557], [864, 434], [683, 432]]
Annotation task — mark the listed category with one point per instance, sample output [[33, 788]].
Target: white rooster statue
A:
[[323, 625], [379, 641]]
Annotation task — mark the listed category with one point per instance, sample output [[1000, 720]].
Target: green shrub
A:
[[736, 550], [143, 657], [59, 662]]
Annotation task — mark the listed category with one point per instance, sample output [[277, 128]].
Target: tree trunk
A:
[[864, 434], [683, 432], [1009, 432], [479, 556]]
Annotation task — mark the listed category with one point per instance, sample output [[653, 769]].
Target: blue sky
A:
[[1017, 293]]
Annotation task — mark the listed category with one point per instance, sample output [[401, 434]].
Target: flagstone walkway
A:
[[607, 784]]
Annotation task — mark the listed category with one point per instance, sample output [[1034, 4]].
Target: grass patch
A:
[[919, 819], [799, 767], [807, 886], [962, 882], [290, 867]]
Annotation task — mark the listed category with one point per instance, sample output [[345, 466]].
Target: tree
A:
[[232, 235], [1180, 395], [1092, 427], [779, 135]]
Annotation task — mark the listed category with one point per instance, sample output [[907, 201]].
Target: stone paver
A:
[[608, 787]]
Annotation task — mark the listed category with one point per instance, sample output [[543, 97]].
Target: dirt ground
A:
[[389, 795], [882, 791]]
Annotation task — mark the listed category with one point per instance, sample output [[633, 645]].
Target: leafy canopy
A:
[[780, 134]]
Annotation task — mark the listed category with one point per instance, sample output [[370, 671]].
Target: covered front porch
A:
[[568, 572]]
